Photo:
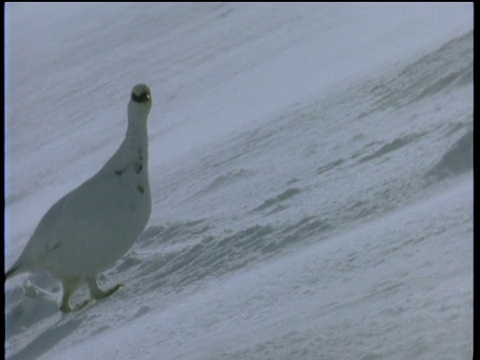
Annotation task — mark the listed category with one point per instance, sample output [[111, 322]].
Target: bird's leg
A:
[[97, 293], [67, 293], [69, 288]]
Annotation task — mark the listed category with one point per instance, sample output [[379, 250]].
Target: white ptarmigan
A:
[[91, 227]]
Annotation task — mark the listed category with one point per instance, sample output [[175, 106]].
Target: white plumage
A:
[[91, 227]]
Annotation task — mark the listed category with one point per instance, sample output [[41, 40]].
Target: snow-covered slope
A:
[[311, 175]]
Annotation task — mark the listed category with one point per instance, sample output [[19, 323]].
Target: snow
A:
[[310, 168]]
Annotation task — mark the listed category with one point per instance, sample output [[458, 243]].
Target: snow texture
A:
[[310, 171]]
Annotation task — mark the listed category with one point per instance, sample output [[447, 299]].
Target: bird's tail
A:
[[14, 270]]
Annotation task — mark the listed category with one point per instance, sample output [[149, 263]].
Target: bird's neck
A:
[[132, 151], [137, 135]]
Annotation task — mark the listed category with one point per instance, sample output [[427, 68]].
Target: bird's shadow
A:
[[30, 307], [47, 340]]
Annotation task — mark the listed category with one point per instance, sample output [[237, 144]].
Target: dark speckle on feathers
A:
[[137, 168]]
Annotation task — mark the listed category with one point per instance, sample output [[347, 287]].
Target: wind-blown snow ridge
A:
[[192, 250]]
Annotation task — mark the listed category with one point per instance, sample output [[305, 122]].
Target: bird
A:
[[90, 228]]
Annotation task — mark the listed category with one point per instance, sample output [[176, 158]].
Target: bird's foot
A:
[[66, 308], [103, 294], [98, 293]]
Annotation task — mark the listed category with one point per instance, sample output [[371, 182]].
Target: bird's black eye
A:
[[142, 98]]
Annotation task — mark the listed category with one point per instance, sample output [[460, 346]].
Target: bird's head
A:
[[140, 102]]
